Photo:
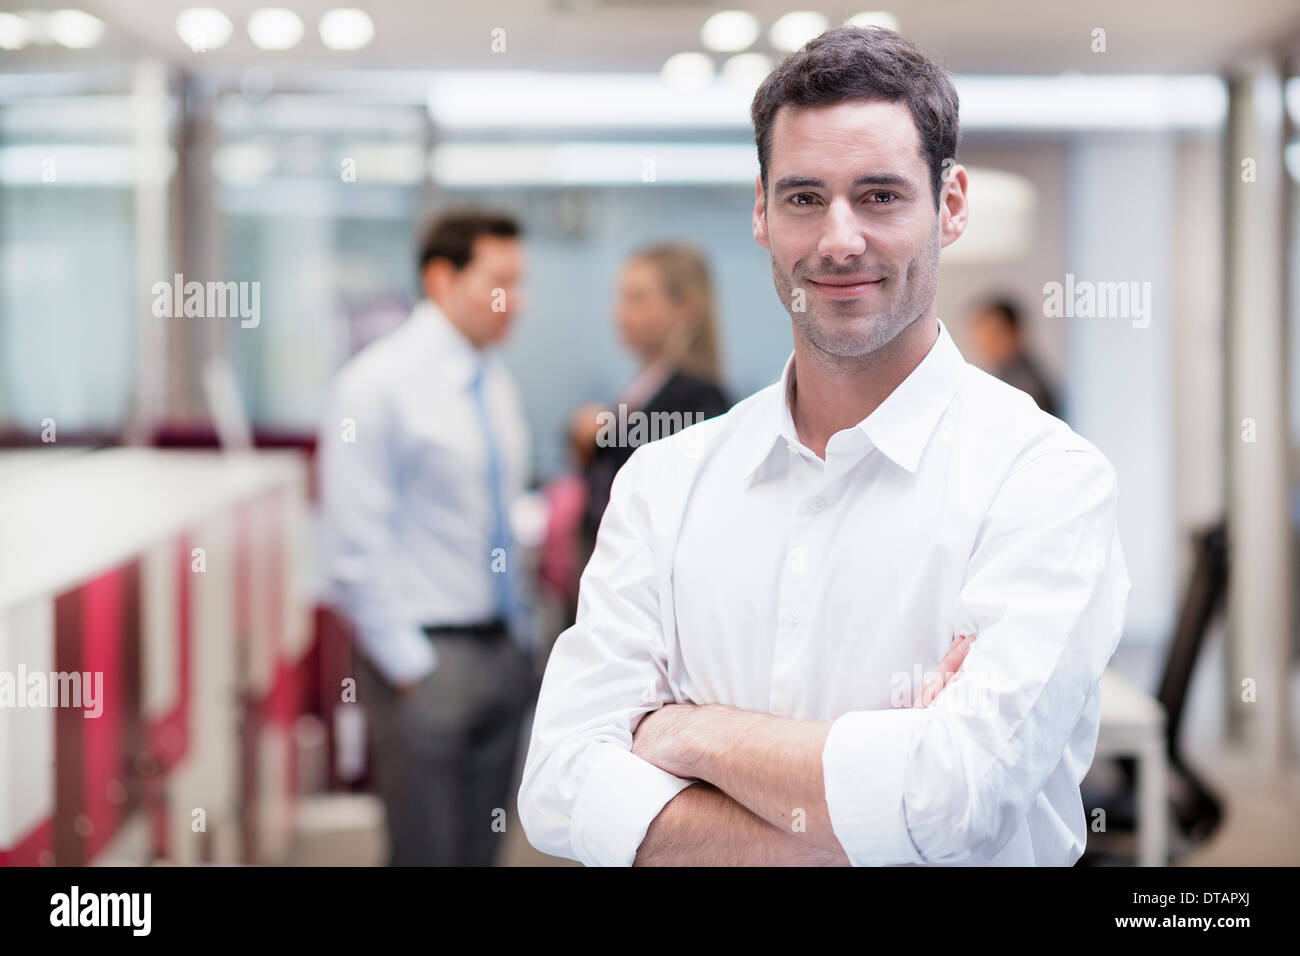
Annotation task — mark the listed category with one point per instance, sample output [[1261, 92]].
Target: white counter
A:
[[67, 519]]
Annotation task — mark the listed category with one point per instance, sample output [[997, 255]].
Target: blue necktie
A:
[[506, 582]]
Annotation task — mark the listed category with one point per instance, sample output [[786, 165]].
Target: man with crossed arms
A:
[[743, 685]]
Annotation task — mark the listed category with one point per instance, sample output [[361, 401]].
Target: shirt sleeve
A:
[[584, 794], [1045, 593], [360, 506]]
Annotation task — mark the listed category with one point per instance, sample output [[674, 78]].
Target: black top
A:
[[1023, 372], [685, 394]]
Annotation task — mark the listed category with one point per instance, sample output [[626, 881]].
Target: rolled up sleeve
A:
[[620, 797], [1045, 593], [584, 795]]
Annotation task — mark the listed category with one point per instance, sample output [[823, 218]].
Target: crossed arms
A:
[[762, 801], [618, 774]]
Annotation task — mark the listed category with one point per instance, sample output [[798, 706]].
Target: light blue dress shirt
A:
[[406, 488]]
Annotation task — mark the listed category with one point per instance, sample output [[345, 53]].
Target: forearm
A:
[[770, 765], [702, 826]]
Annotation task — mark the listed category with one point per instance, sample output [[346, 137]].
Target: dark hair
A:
[[451, 236], [863, 63], [1005, 309]]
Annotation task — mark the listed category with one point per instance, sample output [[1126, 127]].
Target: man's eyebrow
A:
[[872, 179]]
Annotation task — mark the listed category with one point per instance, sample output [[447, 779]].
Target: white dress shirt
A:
[[734, 566], [406, 505]]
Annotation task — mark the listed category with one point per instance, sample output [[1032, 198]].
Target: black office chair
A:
[[1197, 810]]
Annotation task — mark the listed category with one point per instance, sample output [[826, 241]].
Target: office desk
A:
[[174, 579], [1133, 725]]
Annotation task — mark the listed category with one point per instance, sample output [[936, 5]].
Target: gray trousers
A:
[[443, 754]]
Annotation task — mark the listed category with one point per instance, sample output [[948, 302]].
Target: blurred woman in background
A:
[[666, 317]]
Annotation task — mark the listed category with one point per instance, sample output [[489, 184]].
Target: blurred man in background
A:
[[423, 450], [999, 342]]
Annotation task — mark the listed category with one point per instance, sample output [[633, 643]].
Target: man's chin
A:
[[852, 337]]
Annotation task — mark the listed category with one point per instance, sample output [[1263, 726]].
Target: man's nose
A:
[[842, 232]]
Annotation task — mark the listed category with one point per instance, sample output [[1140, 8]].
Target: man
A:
[[422, 451], [1000, 349], [769, 586]]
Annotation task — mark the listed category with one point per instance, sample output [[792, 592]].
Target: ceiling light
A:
[[203, 28], [1291, 96], [274, 28], [876, 18], [747, 69], [476, 163], [492, 99], [15, 32], [346, 29], [688, 70], [75, 29], [1291, 157], [729, 31], [795, 29]]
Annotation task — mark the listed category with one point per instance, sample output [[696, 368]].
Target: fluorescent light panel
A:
[[527, 100], [577, 163]]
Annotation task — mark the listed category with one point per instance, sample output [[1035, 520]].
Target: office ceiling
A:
[[979, 36]]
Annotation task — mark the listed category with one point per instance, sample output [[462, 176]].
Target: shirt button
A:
[[818, 505], [794, 615]]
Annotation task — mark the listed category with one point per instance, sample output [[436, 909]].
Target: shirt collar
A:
[[900, 426], [454, 352]]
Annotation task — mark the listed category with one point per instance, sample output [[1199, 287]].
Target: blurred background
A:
[[303, 148]]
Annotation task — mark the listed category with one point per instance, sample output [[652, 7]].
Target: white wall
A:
[[1119, 384]]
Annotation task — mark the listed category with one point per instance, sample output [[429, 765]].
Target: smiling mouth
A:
[[842, 290]]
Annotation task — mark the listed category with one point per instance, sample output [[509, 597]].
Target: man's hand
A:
[[403, 688], [658, 738], [947, 673]]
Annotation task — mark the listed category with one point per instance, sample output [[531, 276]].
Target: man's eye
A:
[[875, 198]]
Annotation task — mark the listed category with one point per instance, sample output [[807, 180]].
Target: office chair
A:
[[1197, 810]]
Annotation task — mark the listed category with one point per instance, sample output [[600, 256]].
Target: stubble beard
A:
[[841, 331]]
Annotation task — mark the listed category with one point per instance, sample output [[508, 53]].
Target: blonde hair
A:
[[692, 349]]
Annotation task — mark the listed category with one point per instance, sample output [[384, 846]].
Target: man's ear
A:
[[953, 210], [433, 278], [760, 214]]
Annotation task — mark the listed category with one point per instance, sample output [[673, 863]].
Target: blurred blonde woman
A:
[[666, 317]]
